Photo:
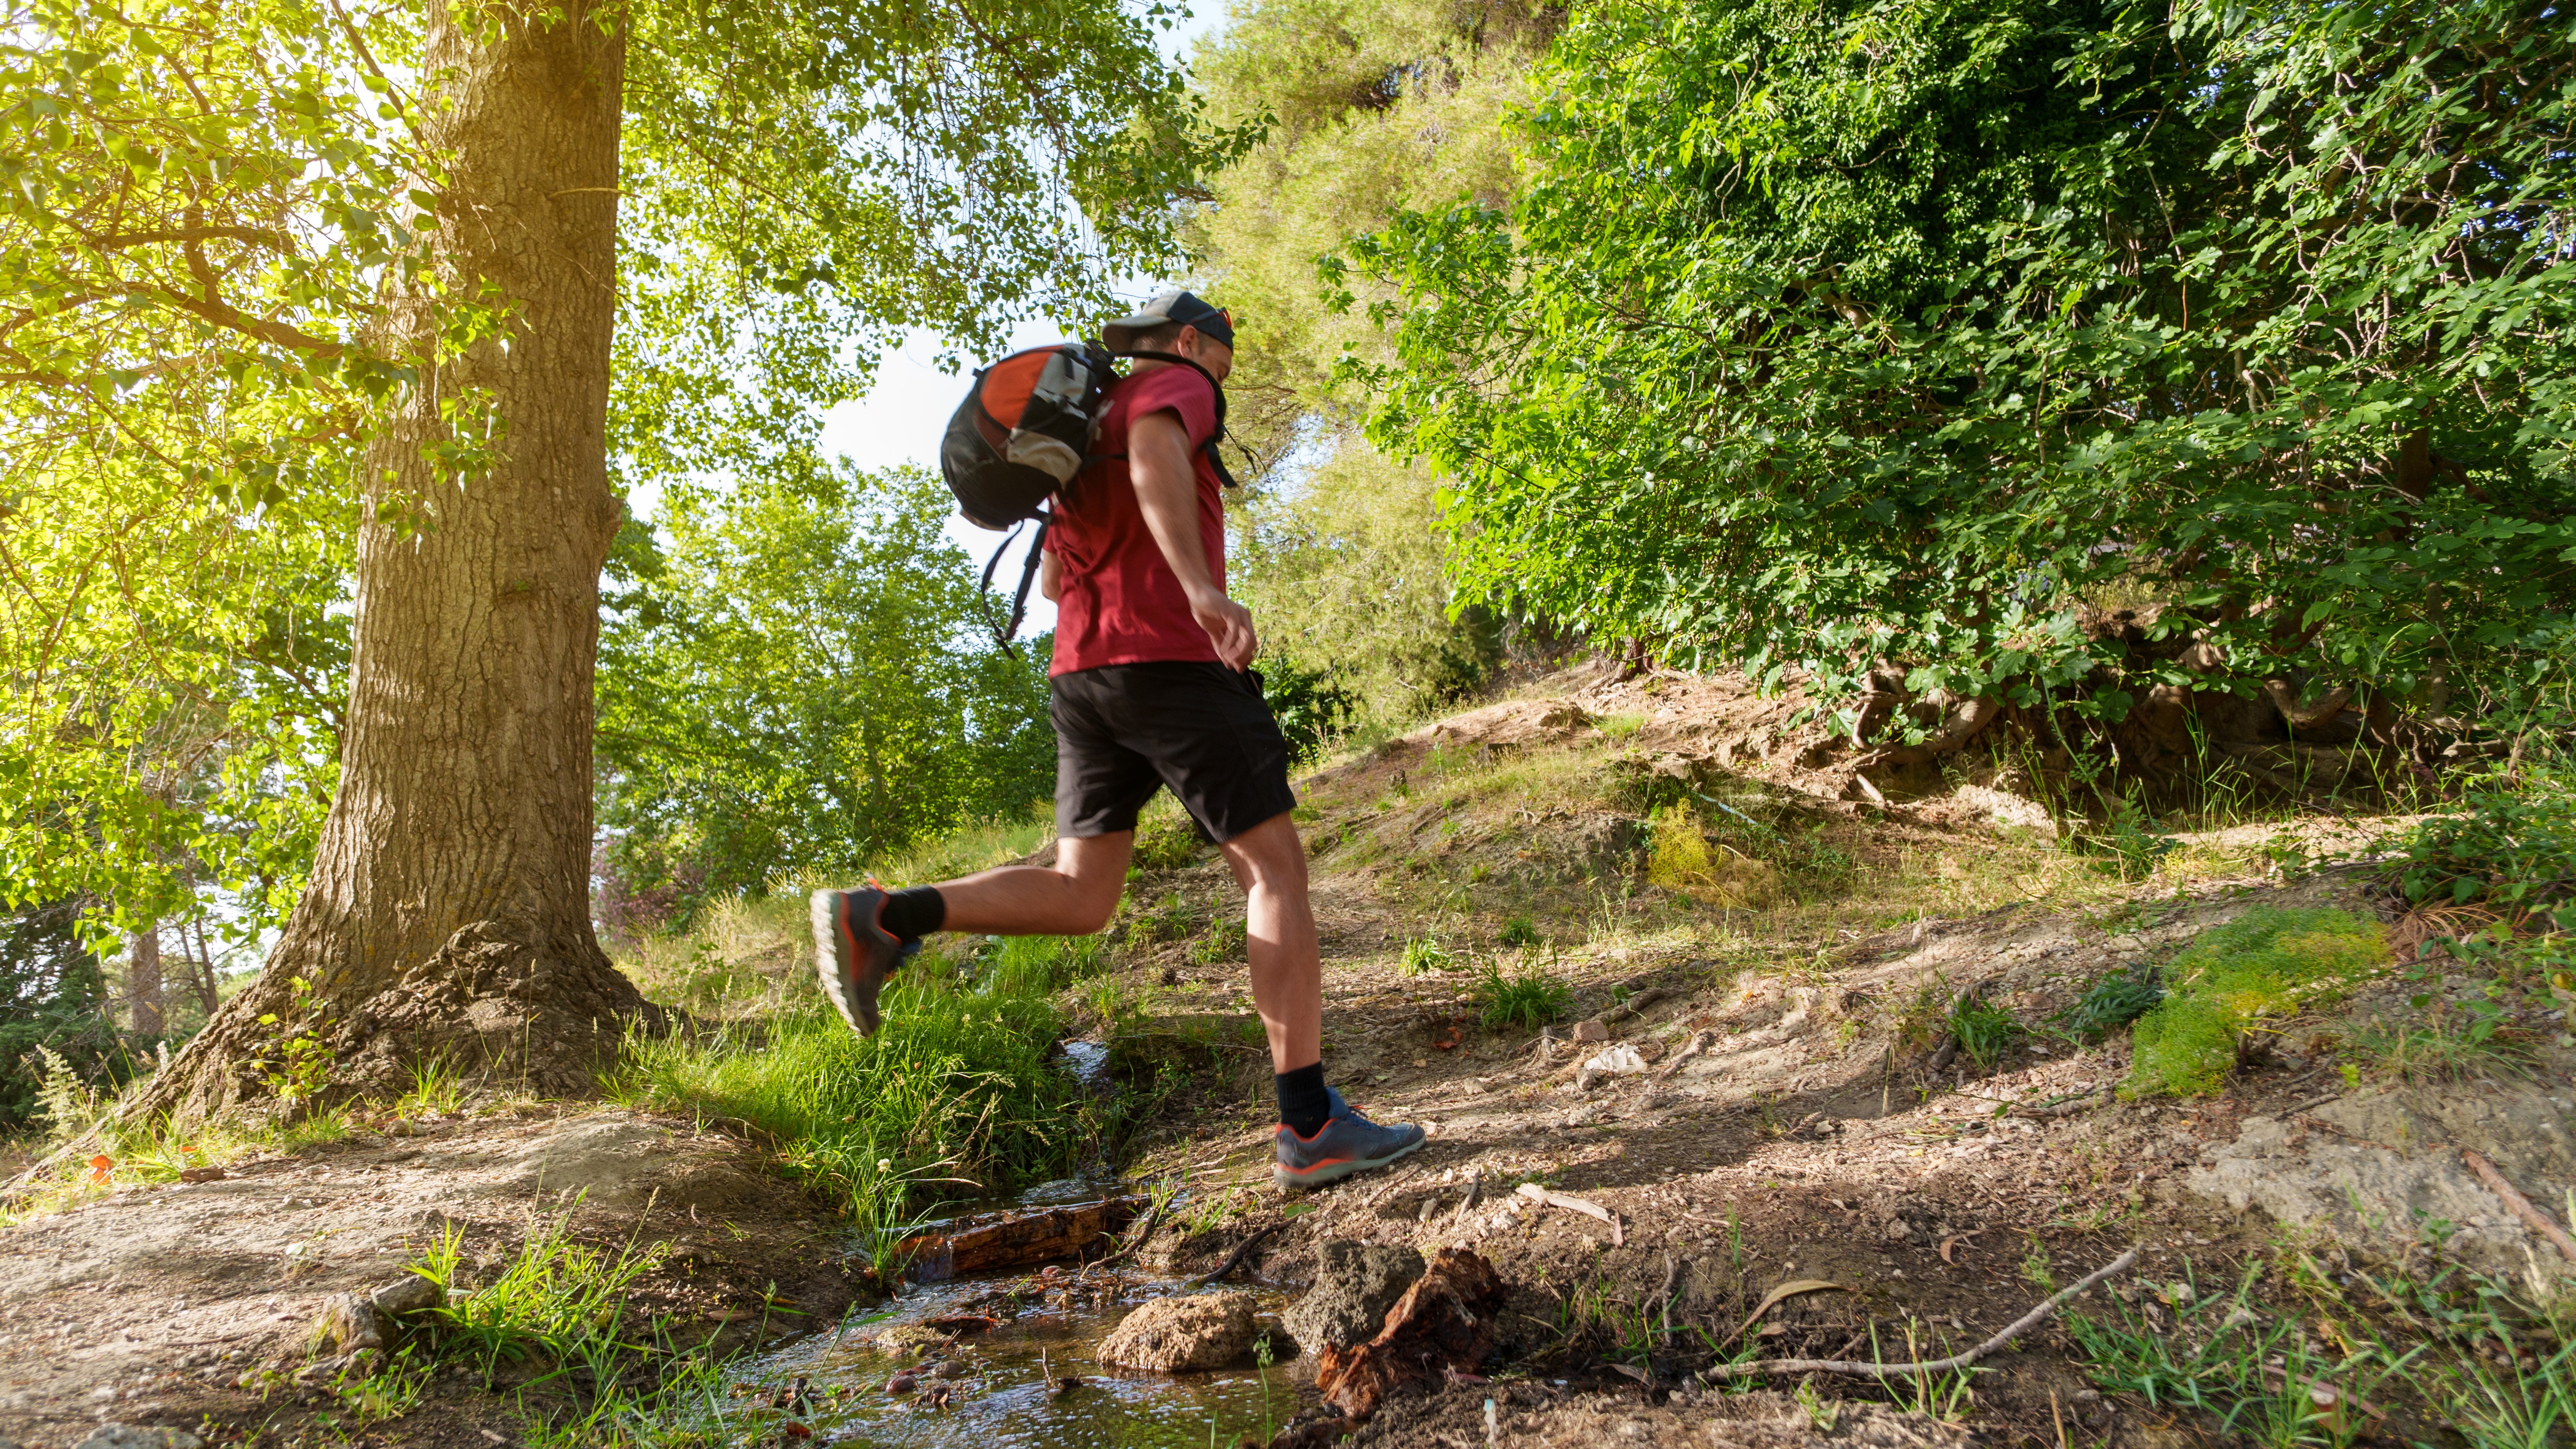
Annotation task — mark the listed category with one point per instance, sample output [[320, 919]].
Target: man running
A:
[[1149, 687]]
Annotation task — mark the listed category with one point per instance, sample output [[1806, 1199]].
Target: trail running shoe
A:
[[853, 954], [1346, 1143]]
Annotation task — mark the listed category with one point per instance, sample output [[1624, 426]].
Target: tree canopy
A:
[[1848, 336], [205, 212], [804, 681]]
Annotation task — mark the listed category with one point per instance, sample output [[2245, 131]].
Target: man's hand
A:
[[1229, 624]]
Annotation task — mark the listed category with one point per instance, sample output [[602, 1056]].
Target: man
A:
[[1149, 688]]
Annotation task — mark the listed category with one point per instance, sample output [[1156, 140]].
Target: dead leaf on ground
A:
[[1954, 1240], [1790, 1289]]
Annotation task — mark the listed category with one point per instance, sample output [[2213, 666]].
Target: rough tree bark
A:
[[143, 982], [448, 911]]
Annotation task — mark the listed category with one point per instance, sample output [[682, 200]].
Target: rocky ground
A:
[[1749, 1085], [194, 1305]]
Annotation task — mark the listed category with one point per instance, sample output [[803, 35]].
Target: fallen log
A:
[[1017, 1241]]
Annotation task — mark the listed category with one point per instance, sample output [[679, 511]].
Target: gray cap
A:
[[1172, 306]]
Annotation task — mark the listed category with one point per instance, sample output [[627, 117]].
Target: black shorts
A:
[[1123, 731]]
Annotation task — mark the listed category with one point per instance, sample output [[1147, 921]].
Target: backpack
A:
[[1024, 432]]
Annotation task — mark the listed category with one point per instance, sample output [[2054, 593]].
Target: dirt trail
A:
[[174, 1304], [1753, 1087], [1790, 1123]]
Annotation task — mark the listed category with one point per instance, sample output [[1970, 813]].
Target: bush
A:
[[1519, 931], [1683, 859], [53, 997], [2266, 963], [1166, 838], [2513, 847]]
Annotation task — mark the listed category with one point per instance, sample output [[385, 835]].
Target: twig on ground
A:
[[1538, 1194], [1234, 1257], [2540, 1222], [1699, 1042], [1772, 1367]]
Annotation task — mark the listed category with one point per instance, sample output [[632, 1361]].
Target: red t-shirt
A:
[[1117, 601]]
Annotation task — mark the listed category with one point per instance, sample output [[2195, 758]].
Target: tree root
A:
[[1775, 1367], [2540, 1222], [1234, 1257]]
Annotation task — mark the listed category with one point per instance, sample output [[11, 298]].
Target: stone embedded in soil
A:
[[410, 1293], [1173, 1335], [349, 1323], [1355, 1284]]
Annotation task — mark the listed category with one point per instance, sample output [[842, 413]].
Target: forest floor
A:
[[1831, 1049]]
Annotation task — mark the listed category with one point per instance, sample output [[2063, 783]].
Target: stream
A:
[[1051, 1326], [979, 1362]]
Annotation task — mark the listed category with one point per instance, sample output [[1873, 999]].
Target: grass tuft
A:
[[1530, 999]]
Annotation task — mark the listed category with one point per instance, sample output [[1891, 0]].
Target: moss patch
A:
[[2266, 963]]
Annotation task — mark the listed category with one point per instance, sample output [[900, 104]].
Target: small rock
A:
[[411, 1293], [349, 1323], [132, 1436], [1355, 1284], [1169, 1335], [902, 1384], [952, 1369], [1592, 1030]]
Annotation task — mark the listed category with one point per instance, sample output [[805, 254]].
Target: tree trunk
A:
[[448, 912], [143, 983], [201, 969]]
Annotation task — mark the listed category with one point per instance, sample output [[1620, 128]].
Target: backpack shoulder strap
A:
[[1215, 458]]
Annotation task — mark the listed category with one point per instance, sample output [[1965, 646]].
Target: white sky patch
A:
[[906, 408]]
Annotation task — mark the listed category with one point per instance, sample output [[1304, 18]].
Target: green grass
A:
[[2114, 1001], [2268, 962], [1530, 998], [2252, 1371], [548, 1302], [1423, 955], [1519, 931], [1222, 942], [1984, 1030], [954, 1095]]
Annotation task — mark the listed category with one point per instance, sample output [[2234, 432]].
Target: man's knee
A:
[[1269, 853]]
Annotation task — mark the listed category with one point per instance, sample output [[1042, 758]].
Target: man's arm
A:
[[1167, 492], [1050, 576]]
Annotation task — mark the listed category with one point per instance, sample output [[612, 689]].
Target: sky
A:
[[904, 412]]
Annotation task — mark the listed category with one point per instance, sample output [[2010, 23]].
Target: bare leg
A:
[[1279, 929], [1074, 897]]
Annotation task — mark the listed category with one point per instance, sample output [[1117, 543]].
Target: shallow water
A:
[[1001, 1398]]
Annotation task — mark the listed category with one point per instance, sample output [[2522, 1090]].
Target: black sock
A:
[[1303, 1107], [913, 914]]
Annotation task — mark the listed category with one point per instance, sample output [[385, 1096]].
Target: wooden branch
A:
[[2523, 1208], [1538, 1194], [1234, 1257], [1772, 1367], [256, 236]]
